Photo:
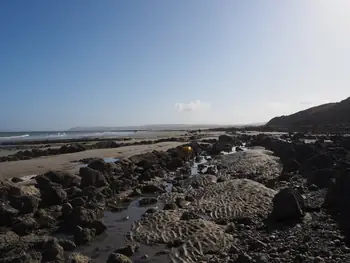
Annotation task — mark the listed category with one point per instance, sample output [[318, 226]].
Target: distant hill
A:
[[328, 117]]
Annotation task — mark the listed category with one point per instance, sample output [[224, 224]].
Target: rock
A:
[[118, 258], [78, 258], [52, 251], [21, 256], [188, 215], [106, 145], [239, 149], [321, 178], [83, 235], [152, 189], [128, 250], [25, 203], [67, 244], [98, 226], [65, 179], [244, 258], [287, 204], [290, 166], [82, 217], [90, 177], [67, 210], [72, 148], [7, 214], [93, 194], [52, 194], [16, 180], [78, 201], [8, 241], [136, 192], [73, 192], [318, 162], [148, 201], [24, 225], [45, 220], [170, 206]]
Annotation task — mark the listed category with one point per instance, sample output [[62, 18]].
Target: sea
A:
[[57, 135]]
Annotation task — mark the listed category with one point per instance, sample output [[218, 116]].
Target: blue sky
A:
[[91, 63]]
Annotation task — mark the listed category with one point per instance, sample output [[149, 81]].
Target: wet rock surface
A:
[[269, 200]]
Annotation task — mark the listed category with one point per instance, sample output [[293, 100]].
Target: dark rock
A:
[[21, 256], [290, 166], [52, 251], [107, 192], [82, 217], [24, 225], [136, 192], [148, 201], [188, 215], [244, 258], [25, 203], [67, 210], [287, 204], [83, 235], [90, 177], [118, 258], [92, 194], [106, 145], [8, 241], [73, 192], [318, 162], [16, 180], [45, 220], [321, 178], [52, 194], [67, 244], [128, 250], [98, 226], [239, 149], [170, 206], [7, 214], [78, 258], [65, 179], [72, 148], [152, 189], [174, 243], [78, 201]]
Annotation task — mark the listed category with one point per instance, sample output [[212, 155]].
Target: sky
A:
[[67, 63]]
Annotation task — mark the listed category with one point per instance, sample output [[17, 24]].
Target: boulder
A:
[[118, 258], [8, 241], [128, 250], [291, 165], [322, 178], [288, 204], [72, 148], [106, 145], [318, 162], [52, 251], [25, 203], [52, 194], [98, 226], [24, 225], [7, 214], [90, 177], [65, 179], [67, 244], [152, 189], [82, 217], [83, 236], [78, 258]]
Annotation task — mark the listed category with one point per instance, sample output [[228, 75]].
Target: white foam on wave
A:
[[14, 137]]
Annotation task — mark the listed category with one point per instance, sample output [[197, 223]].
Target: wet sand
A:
[[68, 162]]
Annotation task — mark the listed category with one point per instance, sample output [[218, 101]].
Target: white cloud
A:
[[196, 105]]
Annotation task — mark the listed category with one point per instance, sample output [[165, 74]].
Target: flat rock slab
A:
[[256, 164], [201, 236]]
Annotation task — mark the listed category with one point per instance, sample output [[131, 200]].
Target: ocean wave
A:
[[59, 134], [14, 137]]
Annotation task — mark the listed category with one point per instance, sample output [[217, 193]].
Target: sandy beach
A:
[[68, 162]]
